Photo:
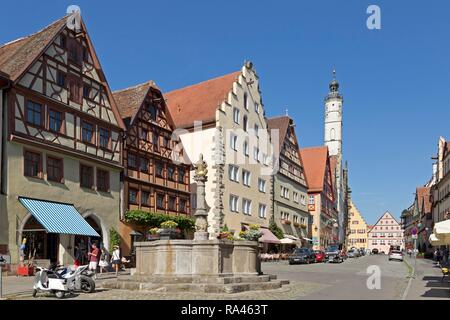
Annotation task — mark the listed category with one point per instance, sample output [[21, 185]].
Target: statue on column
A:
[[201, 216]]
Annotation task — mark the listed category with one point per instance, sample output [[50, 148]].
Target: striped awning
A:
[[58, 217]]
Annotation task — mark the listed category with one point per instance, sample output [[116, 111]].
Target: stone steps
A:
[[203, 285]]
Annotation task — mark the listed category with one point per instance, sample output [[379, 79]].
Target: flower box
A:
[[25, 271], [296, 224], [303, 226], [286, 222]]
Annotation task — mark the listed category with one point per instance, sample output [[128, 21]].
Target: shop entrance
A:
[[83, 243], [39, 243]]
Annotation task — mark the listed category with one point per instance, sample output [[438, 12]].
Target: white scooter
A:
[[59, 284]]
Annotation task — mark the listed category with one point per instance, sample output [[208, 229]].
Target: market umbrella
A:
[[435, 241], [442, 231]]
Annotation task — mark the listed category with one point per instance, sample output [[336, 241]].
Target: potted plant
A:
[[303, 226], [224, 233], [254, 233], [284, 221], [168, 230], [296, 224], [153, 234]]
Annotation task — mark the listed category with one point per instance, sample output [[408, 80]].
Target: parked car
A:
[[362, 252], [396, 255], [333, 254], [320, 255], [375, 251], [302, 255], [353, 253]]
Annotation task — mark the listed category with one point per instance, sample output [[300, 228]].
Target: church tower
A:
[[333, 119], [333, 140]]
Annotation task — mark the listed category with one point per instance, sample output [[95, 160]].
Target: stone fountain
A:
[[201, 265]]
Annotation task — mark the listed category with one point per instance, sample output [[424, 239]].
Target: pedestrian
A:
[[115, 259], [93, 258], [78, 256], [409, 252], [103, 264]]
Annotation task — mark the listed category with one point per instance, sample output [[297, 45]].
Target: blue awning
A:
[[58, 217]]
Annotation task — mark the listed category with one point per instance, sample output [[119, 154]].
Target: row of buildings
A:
[[431, 203], [76, 156]]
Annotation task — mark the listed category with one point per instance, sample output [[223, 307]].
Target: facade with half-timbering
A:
[[62, 136], [156, 175]]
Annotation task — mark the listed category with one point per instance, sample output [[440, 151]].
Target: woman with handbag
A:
[[115, 259]]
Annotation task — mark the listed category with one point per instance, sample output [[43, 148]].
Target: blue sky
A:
[[395, 81]]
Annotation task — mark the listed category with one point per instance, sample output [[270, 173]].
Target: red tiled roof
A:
[[199, 102], [315, 163], [129, 100], [16, 56], [423, 198]]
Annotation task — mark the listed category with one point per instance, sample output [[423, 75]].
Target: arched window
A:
[[245, 100], [333, 134], [245, 123]]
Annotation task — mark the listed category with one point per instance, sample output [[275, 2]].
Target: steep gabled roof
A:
[[282, 124], [16, 56], [199, 102], [423, 198], [315, 162], [129, 100]]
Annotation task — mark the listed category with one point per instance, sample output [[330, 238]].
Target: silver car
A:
[[396, 255]]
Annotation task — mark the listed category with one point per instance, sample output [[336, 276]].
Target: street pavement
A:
[[346, 281]]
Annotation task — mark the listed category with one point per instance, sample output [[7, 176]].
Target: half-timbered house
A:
[[62, 145], [156, 174]]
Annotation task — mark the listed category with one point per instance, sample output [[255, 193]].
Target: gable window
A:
[[245, 123], [87, 132], [234, 203], [75, 87], [261, 185], [143, 134], [182, 206], [171, 173], [166, 142], [61, 79], [256, 107], [172, 203], [152, 110], [246, 178], [55, 169], [132, 161], [181, 174], [159, 169], [74, 51], [32, 164], [85, 54], [34, 113], [160, 201], [86, 176], [155, 140], [236, 115], [104, 138], [86, 91], [145, 197], [245, 100], [143, 165], [256, 154], [132, 196], [256, 130], [102, 180], [55, 120]]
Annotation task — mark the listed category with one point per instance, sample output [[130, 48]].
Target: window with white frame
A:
[[233, 173], [245, 100], [284, 192], [256, 107], [303, 199], [295, 218], [245, 148], [256, 130], [236, 115], [262, 210], [302, 220], [247, 206], [295, 196], [233, 142], [284, 215], [261, 185], [265, 160], [246, 177], [234, 203], [256, 153], [311, 200]]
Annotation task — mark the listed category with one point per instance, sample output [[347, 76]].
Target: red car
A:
[[320, 256]]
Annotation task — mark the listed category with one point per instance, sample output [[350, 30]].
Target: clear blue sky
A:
[[395, 81]]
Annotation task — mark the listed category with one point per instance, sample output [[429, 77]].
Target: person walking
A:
[[93, 259], [115, 259], [103, 264]]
